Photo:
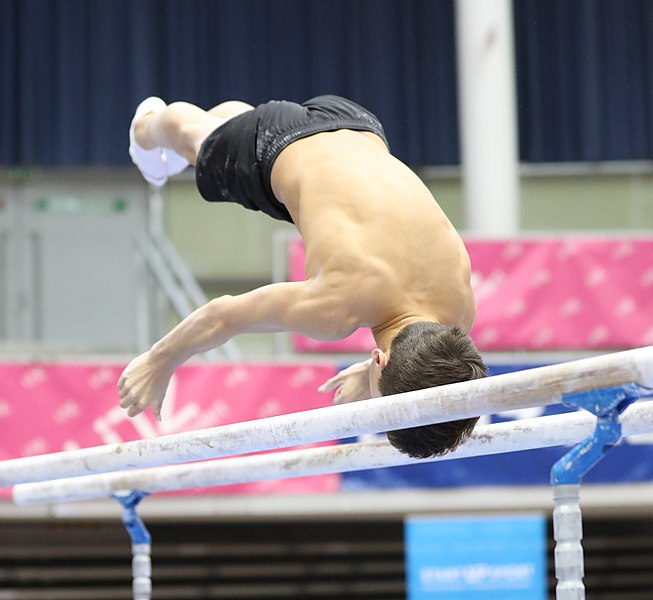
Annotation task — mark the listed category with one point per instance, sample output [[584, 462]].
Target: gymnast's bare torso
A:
[[377, 244]]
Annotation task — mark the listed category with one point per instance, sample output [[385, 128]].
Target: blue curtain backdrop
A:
[[72, 71], [585, 79]]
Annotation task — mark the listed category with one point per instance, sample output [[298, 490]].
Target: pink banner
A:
[[569, 293], [47, 408], [545, 294]]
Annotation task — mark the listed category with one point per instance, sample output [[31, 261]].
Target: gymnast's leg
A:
[[229, 109], [164, 139]]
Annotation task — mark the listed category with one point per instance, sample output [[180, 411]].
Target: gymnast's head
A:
[[423, 355]]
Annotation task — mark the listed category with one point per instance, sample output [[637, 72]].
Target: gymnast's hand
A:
[[143, 383], [351, 384]]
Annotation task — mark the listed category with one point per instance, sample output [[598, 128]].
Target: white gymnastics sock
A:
[[158, 164]]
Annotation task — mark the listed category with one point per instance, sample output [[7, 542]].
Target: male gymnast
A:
[[380, 252]]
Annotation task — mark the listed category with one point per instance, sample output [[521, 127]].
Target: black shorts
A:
[[235, 161]]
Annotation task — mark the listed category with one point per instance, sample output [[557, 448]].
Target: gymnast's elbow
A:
[[219, 318], [282, 307]]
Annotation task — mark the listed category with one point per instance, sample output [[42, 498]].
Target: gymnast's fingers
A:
[[338, 397], [133, 411], [331, 384], [137, 408], [156, 409], [127, 401]]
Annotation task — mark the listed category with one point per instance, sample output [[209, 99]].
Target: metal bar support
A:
[[141, 544], [607, 404]]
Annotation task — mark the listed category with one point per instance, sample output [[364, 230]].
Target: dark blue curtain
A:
[[585, 79], [72, 71]]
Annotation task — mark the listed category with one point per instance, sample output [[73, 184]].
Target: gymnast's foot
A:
[[157, 164]]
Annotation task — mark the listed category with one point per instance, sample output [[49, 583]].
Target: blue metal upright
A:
[[566, 475], [141, 544]]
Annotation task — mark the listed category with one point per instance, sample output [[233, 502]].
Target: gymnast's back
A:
[[373, 231]]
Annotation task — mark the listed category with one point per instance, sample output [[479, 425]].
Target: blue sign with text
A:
[[468, 558]]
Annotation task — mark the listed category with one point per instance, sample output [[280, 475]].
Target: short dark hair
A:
[[423, 355]]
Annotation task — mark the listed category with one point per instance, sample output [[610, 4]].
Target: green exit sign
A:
[[75, 205]]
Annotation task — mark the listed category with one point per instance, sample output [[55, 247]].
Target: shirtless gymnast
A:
[[380, 253]]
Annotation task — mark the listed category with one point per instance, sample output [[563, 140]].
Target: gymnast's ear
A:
[[379, 358]]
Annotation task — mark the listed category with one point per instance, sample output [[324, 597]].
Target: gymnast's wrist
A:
[[163, 358]]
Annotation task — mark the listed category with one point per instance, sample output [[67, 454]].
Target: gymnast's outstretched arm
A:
[[300, 307]]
